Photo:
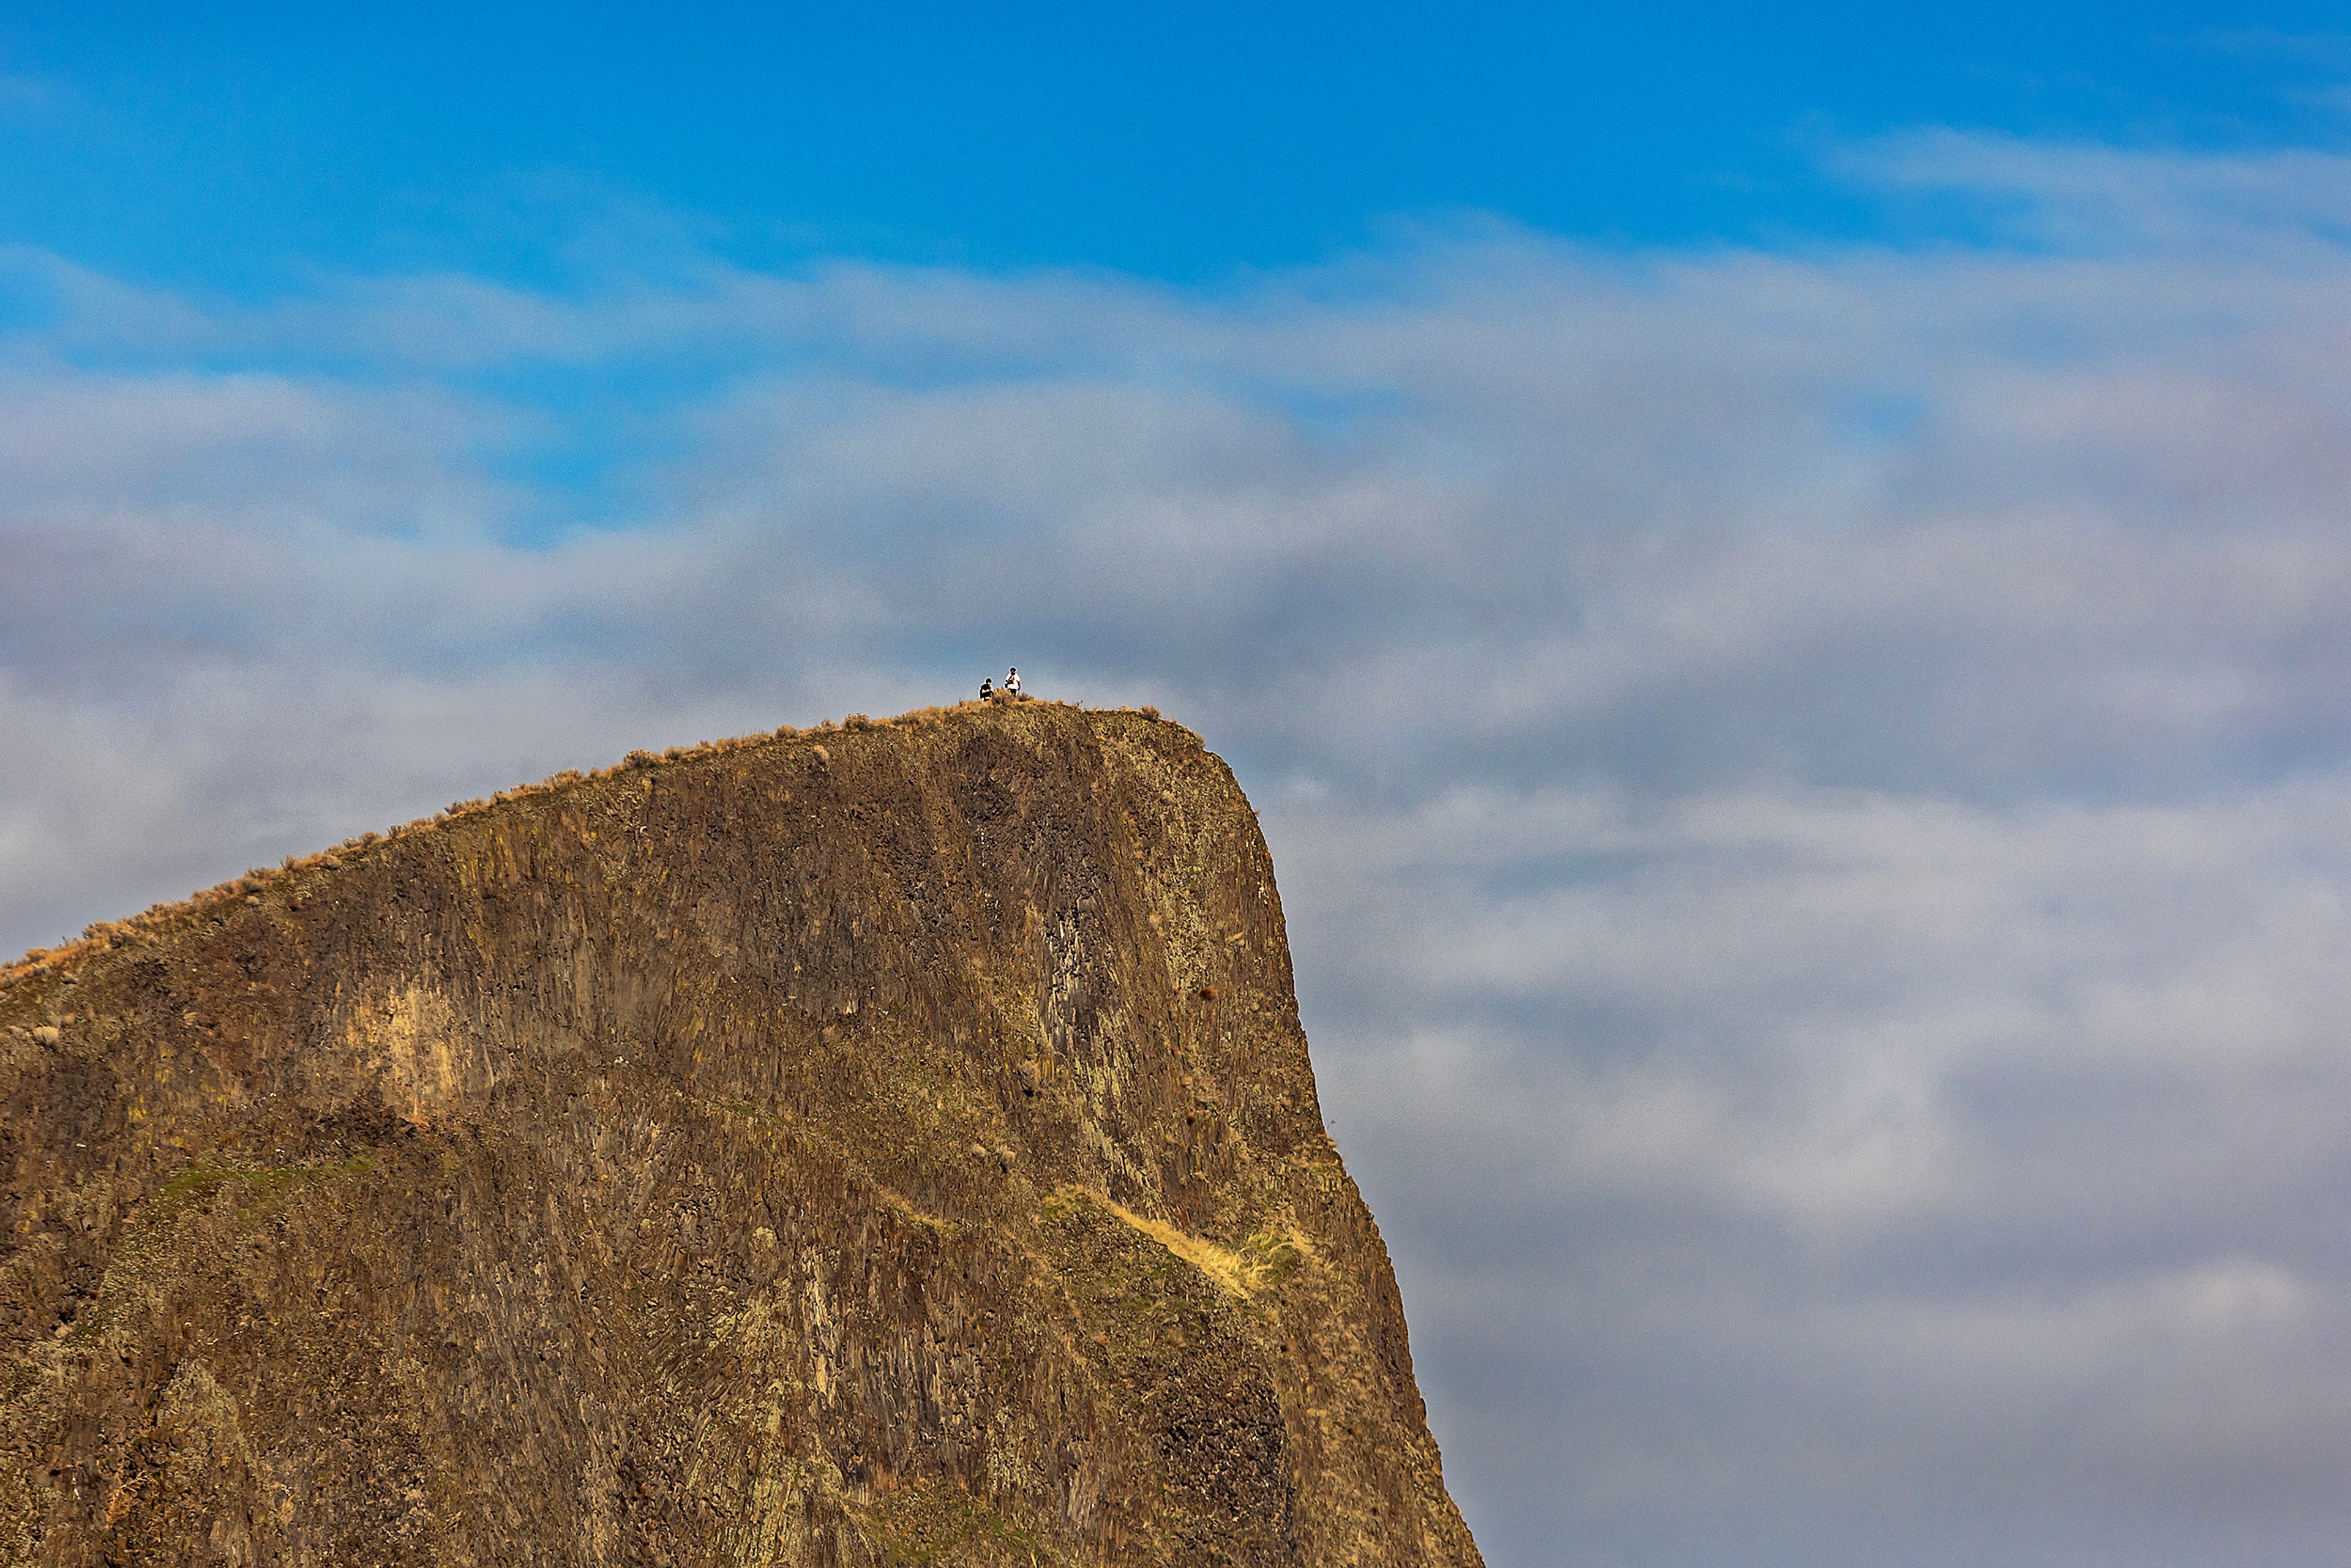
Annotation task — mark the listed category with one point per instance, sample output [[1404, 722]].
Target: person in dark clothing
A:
[[987, 689]]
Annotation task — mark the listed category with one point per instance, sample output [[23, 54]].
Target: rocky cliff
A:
[[888, 1144]]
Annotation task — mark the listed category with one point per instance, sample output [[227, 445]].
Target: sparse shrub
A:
[[1269, 1258]]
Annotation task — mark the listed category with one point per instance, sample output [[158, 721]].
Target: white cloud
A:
[[2291, 200], [1811, 789]]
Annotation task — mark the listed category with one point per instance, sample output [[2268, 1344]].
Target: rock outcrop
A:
[[893, 1144]]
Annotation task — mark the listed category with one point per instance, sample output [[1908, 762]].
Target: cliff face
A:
[[891, 1144]]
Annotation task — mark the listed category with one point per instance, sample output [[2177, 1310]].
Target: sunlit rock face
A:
[[893, 1144]]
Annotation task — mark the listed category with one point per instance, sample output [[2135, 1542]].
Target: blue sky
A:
[[1190, 144], [1781, 583]]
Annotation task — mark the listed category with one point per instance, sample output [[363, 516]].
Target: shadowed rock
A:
[[891, 1146]]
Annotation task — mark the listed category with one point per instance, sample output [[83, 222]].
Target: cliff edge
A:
[[888, 1144]]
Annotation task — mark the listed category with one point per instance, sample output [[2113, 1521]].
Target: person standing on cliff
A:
[[986, 690], [1012, 685]]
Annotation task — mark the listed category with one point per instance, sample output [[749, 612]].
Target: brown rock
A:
[[633, 1215]]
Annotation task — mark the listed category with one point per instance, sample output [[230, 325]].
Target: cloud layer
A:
[[1812, 788]]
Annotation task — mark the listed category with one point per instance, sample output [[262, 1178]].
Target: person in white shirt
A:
[[1013, 681]]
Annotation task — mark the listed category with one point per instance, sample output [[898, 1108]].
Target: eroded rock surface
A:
[[892, 1145]]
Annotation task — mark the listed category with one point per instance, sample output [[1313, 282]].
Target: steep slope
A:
[[889, 1145]]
